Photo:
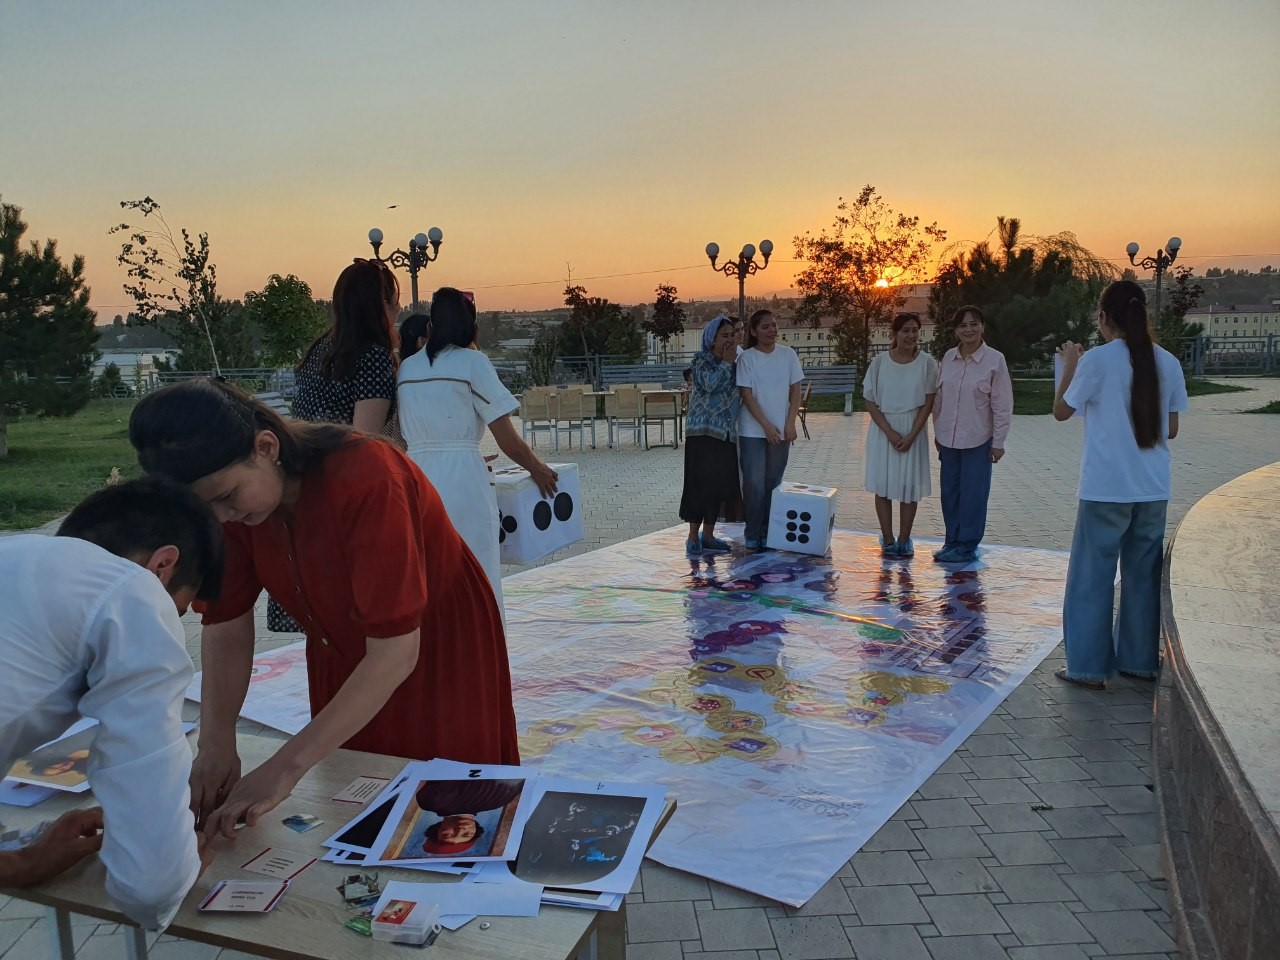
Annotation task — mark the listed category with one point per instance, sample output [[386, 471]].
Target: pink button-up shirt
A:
[[975, 399]]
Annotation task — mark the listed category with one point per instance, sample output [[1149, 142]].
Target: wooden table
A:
[[308, 921]]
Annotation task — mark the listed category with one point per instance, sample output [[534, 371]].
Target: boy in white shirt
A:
[[89, 627]]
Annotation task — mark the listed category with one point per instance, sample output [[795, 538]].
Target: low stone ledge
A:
[[1216, 740]]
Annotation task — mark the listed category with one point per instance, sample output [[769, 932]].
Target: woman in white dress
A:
[[899, 389], [448, 394]]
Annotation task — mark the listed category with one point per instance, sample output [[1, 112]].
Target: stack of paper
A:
[[564, 842]]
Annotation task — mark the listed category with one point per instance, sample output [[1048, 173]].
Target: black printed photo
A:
[[576, 838]]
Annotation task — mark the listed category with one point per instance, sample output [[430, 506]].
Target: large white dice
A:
[[532, 527], [801, 518]]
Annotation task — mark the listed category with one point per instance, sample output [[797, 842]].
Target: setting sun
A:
[[882, 282]]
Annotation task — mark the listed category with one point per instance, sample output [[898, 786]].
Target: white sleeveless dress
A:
[[899, 390], [445, 408]]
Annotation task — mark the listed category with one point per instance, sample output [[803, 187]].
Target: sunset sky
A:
[[621, 137]]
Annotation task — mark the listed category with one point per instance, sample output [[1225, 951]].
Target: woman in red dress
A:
[[405, 647]]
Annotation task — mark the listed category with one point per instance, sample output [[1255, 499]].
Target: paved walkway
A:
[[967, 870]]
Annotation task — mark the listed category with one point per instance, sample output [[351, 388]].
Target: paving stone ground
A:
[[1036, 840]]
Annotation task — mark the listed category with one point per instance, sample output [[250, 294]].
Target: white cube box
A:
[[801, 518], [531, 527]]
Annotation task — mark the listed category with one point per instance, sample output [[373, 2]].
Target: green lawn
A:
[[1272, 407], [1035, 397], [54, 462]]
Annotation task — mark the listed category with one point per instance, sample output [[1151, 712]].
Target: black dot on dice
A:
[[542, 515], [806, 517], [791, 527], [563, 506], [803, 538], [509, 524], [804, 528], [791, 514], [791, 538]]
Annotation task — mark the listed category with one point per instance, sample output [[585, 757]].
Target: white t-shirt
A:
[[770, 376], [1114, 469], [86, 633]]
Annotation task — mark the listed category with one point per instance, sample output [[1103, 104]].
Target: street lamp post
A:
[[743, 267], [1159, 263], [417, 257]]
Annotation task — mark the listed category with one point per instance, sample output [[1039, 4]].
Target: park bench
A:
[[275, 401], [667, 374], [833, 380]]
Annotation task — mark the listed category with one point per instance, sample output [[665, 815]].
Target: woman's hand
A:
[[214, 775], [996, 455], [905, 443], [1071, 352], [772, 434], [258, 793], [894, 437], [545, 478]]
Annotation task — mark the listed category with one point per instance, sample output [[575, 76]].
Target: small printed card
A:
[[301, 822], [362, 789], [245, 896], [283, 864]]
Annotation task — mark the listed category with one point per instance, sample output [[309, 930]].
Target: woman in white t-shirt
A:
[[899, 390], [448, 394], [1130, 393], [769, 378]]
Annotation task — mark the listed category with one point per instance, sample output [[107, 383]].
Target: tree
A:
[[598, 326], [1035, 292], [855, 269], [1183, 296], [286, 318], [47, 334], [667, 319], [175, 287], [540, 360], [109, 382]]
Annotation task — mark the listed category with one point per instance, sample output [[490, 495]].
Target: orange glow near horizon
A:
[[569, 136]]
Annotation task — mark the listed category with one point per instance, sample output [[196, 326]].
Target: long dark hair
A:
[[1125, 305], [361, 297], [453, 321], [412, 330], [756, 319], [192, 429]]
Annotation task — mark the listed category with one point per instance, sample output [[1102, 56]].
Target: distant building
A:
[[805, 339], [1238, 319], [131, 363]]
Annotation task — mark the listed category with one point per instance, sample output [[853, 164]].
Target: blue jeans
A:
[[1133, 534], [762, 464], [966, 485]]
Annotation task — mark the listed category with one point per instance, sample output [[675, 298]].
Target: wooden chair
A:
[[659, 410], [578, 412], [538, 412], [624, 410], [804, 406]]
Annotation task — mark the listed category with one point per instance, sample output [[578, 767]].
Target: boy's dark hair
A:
[[140, 516]]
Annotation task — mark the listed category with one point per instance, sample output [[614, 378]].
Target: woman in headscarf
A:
[[711, 431]]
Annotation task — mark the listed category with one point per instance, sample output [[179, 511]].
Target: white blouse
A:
[[86, 633]]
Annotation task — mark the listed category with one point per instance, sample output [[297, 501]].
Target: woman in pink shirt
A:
[[971, 418]]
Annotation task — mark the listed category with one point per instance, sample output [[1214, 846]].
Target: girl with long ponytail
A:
[[1129, 392]]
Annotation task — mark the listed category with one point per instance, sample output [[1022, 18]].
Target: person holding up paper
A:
[[1131, 391], [406, 653], [972, 414], [89, 626]]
